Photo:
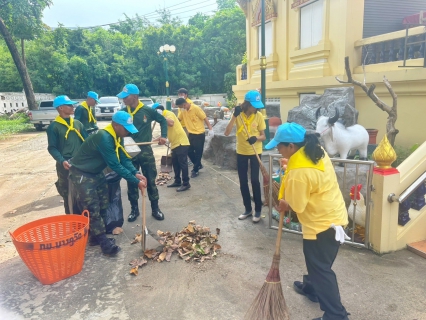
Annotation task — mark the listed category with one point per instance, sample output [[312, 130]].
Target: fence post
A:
[[384, 215]]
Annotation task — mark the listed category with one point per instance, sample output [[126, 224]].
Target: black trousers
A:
[[242, 167], [195, 150], [180, 164], [319, 256]]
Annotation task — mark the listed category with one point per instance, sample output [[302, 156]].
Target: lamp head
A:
[[161, 48], [166, 48], [172, 49]]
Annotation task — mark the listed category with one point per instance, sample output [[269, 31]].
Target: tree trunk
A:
[[23, 73]]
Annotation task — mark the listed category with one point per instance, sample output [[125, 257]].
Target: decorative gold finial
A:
[[384, 155]]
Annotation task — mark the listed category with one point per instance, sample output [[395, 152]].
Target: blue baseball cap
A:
[[94, 96], [128, 90], [61, 100], [155, 105], [289, 132], [126, 120], [254, 98]]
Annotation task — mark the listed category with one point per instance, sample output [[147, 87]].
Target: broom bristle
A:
[[270, 302]]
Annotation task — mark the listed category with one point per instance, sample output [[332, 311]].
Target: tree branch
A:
[[391, 131]]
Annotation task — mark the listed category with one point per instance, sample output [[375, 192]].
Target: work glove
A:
[[252, 140], [159, 111], [340, 234], [211, 133], [237, 111]]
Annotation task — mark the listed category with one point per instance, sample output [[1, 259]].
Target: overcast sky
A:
[[85, 13]]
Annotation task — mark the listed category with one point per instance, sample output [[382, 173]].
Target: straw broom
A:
[[270, 302]]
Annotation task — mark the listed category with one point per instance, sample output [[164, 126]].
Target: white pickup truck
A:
[[44, 115]]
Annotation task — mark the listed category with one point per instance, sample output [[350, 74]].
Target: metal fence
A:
[[351, 170]]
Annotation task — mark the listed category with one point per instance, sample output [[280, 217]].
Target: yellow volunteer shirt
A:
[[193, 119], [316, 197], [254, 126], [175, 134]]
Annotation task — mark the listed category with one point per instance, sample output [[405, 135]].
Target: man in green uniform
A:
[[142, 118], [64, 137], [85, 112], [102, 149]]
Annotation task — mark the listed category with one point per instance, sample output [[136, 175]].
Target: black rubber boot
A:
[[93, 240], [134, 213], [107, 246], [156, 212]]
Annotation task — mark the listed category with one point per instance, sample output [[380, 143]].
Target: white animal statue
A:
[[341, 140]]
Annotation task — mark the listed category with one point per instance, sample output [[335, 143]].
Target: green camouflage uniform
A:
[[92, 195], [61, 150], [145, 159], [86, 174]]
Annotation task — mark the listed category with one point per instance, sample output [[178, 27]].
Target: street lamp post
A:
[[164, 51]]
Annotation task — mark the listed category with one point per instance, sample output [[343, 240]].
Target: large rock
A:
[[210, 112], [273, 110], [221, 149], [341, 98]]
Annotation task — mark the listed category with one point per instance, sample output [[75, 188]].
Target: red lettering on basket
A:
[[57, 244]]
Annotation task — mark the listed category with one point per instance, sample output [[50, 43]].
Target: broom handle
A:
[[153, 126], [248, 137], [280, 233], [262, 168], [143, 235], [141, 143]]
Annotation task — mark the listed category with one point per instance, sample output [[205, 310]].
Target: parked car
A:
[[44, 115], [146, 101], [107, 107]]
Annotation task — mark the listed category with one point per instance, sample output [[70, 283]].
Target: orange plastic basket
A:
[[53, 248]]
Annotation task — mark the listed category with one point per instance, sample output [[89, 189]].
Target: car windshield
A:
[[146, 101], [197, 102], [108, 100]]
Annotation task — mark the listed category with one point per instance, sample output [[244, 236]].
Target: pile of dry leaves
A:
[[193, 242], [162, 179]]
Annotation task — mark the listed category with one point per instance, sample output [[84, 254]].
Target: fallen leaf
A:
[[134, 271], [192, 222], [150, 253], [217, 231], [117, 230], [138, 238], [190, 228], [61, 201], [162, 256], [216, 247], [142, 262], [169, 255]]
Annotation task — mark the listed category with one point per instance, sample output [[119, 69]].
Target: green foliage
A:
[[23, 17], [244, 59], [72, 62], [403, 153], [19, 124]]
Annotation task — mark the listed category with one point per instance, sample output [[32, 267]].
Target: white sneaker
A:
[[245, 215], [256, 217]]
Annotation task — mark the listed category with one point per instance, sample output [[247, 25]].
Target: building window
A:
[[311, 24], [268, 39]]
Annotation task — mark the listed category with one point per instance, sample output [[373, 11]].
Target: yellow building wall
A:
[[291, 71]]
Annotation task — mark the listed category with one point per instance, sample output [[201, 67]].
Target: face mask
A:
[[181, 96], [160, 111]]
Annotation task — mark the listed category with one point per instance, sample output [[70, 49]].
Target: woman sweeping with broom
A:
[[310, 189], [250, 134]]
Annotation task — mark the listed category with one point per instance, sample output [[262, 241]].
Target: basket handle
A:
[[86, 214]]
